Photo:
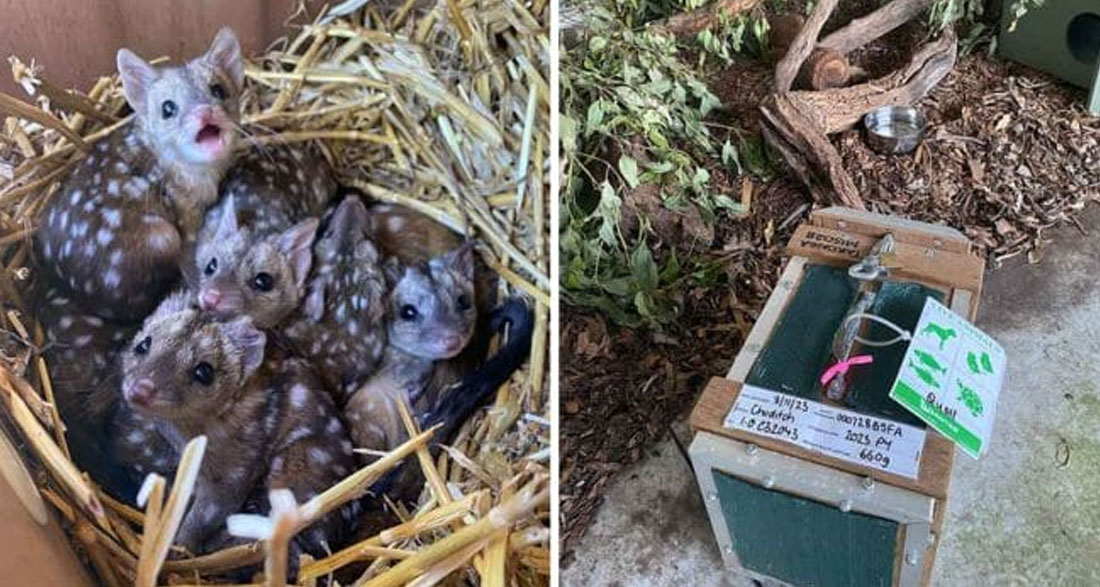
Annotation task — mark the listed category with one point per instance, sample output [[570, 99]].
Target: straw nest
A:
[[444, 109]]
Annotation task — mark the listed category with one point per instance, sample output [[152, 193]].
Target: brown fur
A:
[[268, 422], [266, 193], [115, 231], [340, 326], [431, 315]]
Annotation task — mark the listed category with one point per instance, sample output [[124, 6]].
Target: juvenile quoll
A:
[[116, 231], [268, 422], [431, 316], [242, 274], [266, 193], [340, 326]]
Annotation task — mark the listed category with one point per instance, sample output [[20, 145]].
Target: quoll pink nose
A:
[[208, 299], [140, 392]]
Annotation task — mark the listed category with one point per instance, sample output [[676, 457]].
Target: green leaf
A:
[[609, 212], [595, 116], [629, 168], [620, 286], [645, 270], [568, 130], [730, 158]]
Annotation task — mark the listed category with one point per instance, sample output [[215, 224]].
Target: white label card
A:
[[951, 377], [873, 442]]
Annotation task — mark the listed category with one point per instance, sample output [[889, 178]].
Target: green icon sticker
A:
[[951, 376], [942, 333], [970, 399]]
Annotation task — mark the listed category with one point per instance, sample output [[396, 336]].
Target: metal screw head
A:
[[728, 549], [750, 449], [868, 483], [712, 496], [769, 482], [845, 506], [911, 558]]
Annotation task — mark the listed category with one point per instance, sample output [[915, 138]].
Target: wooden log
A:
[[807, 149], [825, 69], [839, 109], [689, 23], [863, 30], [787, 69]]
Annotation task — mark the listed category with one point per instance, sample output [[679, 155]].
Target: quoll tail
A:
[[456, 406]]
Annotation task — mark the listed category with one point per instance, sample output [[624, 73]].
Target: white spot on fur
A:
[[83, 340], [75, 198], [299, 395], [319, 456], [65, 322], [113, 217], [112, 187], [112, 278], [104, 236]]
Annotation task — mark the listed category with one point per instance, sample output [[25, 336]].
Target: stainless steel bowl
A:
[[893, 130]]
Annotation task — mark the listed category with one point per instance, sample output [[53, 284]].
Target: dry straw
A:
[[442, 108]]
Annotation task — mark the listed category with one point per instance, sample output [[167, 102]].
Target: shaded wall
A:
[[75, 40]]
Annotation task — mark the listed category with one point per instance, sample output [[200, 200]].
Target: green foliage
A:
[[633, 116], [732, 35], [945, 13]]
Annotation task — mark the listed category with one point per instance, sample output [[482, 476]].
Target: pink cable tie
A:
[[841, 367]]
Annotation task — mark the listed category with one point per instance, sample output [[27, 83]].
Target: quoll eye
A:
[[464, 302], [218, 91], [211, 267], [203, 373], [143, 347], [408, 312], [263, 281], [168, 109]]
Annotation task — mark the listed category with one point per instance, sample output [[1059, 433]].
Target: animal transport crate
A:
[[1061, 37], [786, 509]]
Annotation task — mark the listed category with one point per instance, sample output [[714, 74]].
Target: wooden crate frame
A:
[[935, 256]]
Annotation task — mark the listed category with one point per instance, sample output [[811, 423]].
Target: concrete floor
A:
[[1020, 516]]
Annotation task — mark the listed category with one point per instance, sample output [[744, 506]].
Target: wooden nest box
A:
[[1061, 38], [805, 505]]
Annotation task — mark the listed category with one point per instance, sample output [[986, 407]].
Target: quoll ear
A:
[[225, 54], [227, 222], [349, 222], [137, 75], [249, 341], [460, 260], [296, 243]]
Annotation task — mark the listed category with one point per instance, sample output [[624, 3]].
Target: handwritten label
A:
[[831, 241], [951, 376], [857, 438]]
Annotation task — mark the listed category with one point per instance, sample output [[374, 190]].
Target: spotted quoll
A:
[[268, 192], [430, 317], [260, 277], [268, 422], [340, 326], [116, 231]]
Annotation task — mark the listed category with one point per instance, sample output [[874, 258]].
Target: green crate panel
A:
[[804, 542], [801, 343]]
